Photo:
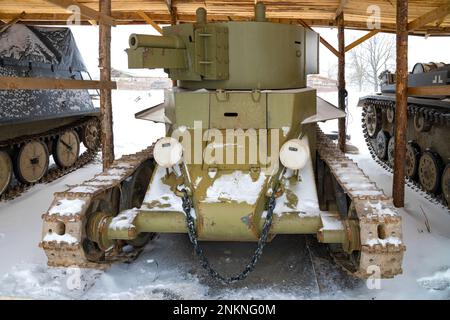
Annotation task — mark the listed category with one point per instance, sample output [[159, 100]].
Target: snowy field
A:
[[292, 267]]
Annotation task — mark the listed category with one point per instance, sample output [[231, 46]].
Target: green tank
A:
[[243, 159]]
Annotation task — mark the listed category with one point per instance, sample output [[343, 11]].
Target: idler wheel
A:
[[372, 120], [412, 160], [90, 135], [382, 144], [446, 184], [66, 149], [391, 151], [430, 166], [31, 162], [420, 123], [6, 169]]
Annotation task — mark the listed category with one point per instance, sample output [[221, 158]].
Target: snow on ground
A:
[[168, 269]]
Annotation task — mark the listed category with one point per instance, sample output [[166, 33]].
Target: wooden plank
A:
[[147, 19], [401, 110], [443, 90], [85, 11], [340, 9], [322, 40], [429, 17], [12, 83], [13, 21], [361, 40], [342, 139]]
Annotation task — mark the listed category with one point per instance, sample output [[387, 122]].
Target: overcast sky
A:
[[421, 49]]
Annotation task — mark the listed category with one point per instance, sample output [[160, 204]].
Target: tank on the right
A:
[[427, 166]]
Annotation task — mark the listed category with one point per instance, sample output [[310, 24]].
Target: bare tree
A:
[[357, 70], [377, 54]]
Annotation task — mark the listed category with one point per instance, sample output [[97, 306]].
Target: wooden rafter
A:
[[340, 8], [149, 20], [13, 21], [322, 40], [85, 11], [361, 40], [12, 83], [429, 17]]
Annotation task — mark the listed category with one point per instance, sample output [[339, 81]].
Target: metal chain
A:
[[187, 206]]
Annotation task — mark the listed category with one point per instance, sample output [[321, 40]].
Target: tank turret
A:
[[230, 55]]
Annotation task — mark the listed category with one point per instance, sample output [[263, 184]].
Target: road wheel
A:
[[390, 114], [6, 169], [31, 162], [66, 149], [90, 135], [391, 151], [446, 184], [421, 124], [412, 160], [382, 144], [430, 166], [372, 121]]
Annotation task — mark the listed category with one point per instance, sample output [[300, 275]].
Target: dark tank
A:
[[427, 164], [35, 124]]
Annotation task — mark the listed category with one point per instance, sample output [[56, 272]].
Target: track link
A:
[[379, 222], [430, 114], [54, 172], [64, 224]]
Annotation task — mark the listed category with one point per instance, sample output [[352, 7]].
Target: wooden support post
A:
[[173, 21], [341, 81], [401, 115], [105, 94]]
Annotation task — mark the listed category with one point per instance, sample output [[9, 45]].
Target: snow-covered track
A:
[[65, 241], [380, 229]]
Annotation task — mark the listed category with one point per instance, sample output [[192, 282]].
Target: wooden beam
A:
[[342, 93], [85, 11], [443, 90], [361, 40], [322, 40], [401, 110], [107, 136], [147, 19], [340, 8], [13, 83], [13, 21], [429, 17]]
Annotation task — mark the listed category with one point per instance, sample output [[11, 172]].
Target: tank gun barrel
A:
[[149, 41]]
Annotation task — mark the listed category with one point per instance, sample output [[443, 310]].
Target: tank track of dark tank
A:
[[54, 172], [433, 115]]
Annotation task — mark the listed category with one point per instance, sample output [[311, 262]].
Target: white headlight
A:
[[168, 152], [294, 154]]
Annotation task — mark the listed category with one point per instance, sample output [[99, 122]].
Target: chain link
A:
[[192, 231]]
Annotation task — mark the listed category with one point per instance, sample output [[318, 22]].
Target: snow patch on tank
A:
[[67, 207], [124, 220], [52, 236], [19, 43], [159, 196], [237, 186]]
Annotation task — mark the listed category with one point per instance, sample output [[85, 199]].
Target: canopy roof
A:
[[313, 12]]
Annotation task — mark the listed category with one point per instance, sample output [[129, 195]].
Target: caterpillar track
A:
[[66, 239], [379, 225], [428, 153], [17, 187]]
